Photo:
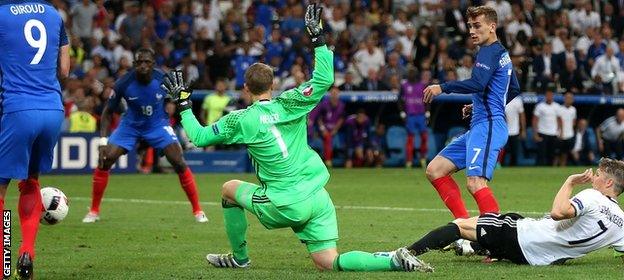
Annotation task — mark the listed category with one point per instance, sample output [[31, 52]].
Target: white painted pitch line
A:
[[345, 207]]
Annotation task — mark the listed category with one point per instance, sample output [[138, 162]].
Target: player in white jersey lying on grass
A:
[[576, 226]]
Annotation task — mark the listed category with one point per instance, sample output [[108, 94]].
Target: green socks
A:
[[363, 261], [236, 230]]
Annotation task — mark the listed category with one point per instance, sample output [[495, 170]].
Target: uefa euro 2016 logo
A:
[[6, 243]]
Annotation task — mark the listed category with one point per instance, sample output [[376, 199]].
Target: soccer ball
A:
[[55, 206]]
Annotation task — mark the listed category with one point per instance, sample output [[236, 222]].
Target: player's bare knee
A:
[[229, 189], [434, 171]]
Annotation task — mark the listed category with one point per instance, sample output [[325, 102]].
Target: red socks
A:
[[486, 201], [188, 184], [450, 194], [409, 148], [100, 180], [327, 147], [29, 209]]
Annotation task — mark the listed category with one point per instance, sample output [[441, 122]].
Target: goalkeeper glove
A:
[[314, 24], [175, 87]]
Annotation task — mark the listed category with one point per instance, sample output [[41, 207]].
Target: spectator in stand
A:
[[182, 43], [393, 68], [372, 82], [465, 70], [597, 48], [214, 104], [331, 113], [455, 21], [546, 124], [407, 41], [560, 59], [277, 46], [588, 17], [293, 24], [206, 26], [543, 67], [516, 125], [571, 78], [76, 50], [370, 57], [163, 22], [297, 78], [415, 113], [567, 114], [264, 14], [82, 14], [349, 84], [359, 30], [585, 40], [100, 70], [558, 43], [608, 39], [132, 25], [503, 11], [605, 71], [425, 48], [401, 21], [518, 24], [357, 139], [610, 136], [338, 21], [582, 154], [82, 120]]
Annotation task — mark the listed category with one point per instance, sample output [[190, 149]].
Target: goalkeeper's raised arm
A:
[[304, 98]]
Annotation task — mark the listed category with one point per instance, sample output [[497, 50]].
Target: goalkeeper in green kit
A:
[[291, 175]]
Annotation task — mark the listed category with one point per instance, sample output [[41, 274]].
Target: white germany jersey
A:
[[598, 223]]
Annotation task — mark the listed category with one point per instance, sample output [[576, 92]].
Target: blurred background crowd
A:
[[574, 47]]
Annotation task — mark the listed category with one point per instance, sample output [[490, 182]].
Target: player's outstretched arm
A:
[[481, 74], [201, 136]]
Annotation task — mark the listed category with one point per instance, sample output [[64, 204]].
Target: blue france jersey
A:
[[146, 102], [31, 34], [493, 84]]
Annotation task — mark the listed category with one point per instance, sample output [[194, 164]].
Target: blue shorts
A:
[[416, 124], [27, 140], [157, 136], [478, 148]]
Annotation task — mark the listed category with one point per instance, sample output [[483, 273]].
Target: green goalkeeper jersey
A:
[[275, 133]]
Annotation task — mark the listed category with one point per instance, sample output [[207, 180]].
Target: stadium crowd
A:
[[574, 47]]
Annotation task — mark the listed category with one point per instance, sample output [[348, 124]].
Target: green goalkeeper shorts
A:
[[313, 220]]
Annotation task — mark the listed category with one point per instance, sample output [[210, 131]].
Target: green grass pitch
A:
[[148, 232]]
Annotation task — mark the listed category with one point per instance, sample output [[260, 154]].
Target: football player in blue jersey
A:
[[35, 54], [145, 118], [492, 84]]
